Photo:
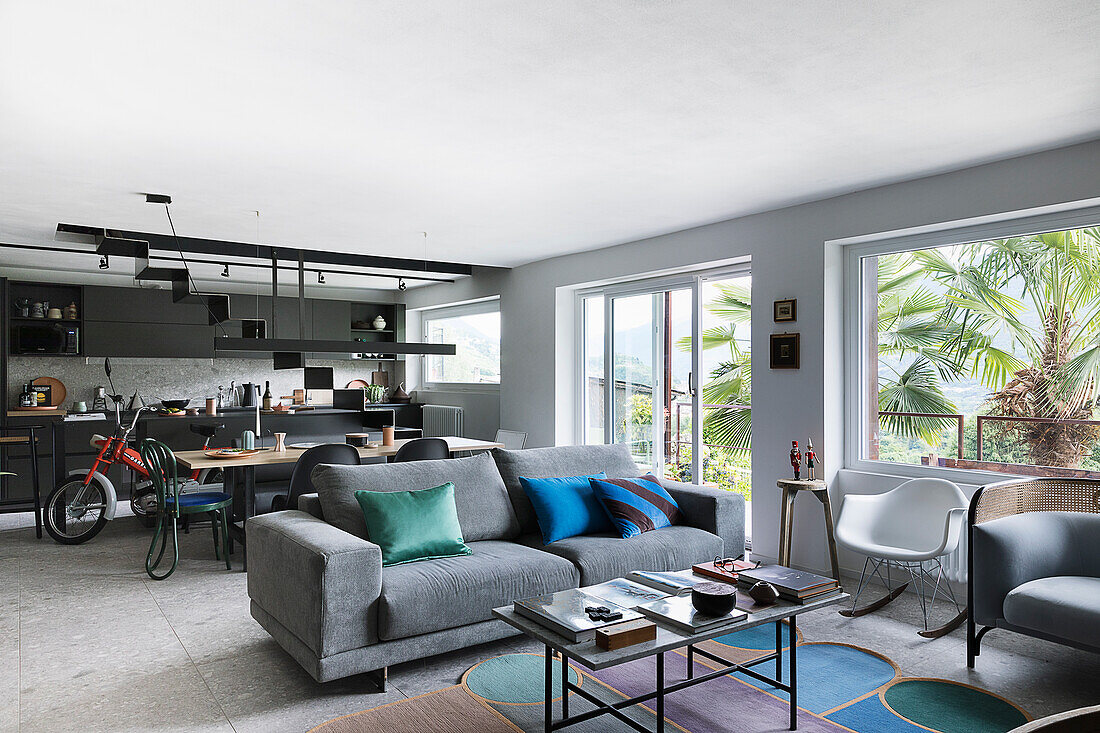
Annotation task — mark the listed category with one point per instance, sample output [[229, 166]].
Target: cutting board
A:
[[58, 393]]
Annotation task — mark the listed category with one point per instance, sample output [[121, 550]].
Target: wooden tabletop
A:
[[801, 484], [198, 459]]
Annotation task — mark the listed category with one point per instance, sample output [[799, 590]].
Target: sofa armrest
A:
[[310, 504], [715, 510], [317, 580]]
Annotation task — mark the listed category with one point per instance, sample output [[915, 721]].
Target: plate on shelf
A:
[[58, 393], [232, 452]]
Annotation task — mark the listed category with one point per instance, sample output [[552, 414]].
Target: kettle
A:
[[250, 394]]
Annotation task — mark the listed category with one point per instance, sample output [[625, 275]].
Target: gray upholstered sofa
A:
[[317, 584], [1034, 562]]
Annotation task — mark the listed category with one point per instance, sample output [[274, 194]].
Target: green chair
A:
[[161, 463]]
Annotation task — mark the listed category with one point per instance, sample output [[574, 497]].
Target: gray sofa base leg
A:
[[378, 677]]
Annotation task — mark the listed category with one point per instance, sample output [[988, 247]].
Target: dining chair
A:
[[423, 449], [171, 505], [331, 453], [512, 439]]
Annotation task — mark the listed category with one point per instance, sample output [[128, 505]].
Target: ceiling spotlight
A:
[[401, 284], [320, 278], [225, 271], [104, 263]]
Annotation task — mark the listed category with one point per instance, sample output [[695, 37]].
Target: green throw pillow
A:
[[413, 525]]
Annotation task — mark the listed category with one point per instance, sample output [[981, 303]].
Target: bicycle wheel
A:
[[75, 513]]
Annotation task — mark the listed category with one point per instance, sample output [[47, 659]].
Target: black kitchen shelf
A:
[[28, 319]]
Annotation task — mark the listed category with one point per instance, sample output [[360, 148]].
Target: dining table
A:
[[240, 470]]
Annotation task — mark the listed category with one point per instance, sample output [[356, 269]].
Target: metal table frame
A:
[[615, 709]]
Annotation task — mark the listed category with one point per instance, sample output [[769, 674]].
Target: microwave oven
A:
[[45, 338]]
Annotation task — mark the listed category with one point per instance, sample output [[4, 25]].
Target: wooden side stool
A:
[[790, 488]]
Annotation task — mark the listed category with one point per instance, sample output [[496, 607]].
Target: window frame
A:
[[490, 305], [1061, 217]]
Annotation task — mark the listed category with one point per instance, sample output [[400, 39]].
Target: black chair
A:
[[332, 453], [423, 449]]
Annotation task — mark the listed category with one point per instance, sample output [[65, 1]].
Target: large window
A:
[[475, 331], [645, 349], [981, 355]]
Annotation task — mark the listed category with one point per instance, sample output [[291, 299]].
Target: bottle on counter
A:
[[267, 396]]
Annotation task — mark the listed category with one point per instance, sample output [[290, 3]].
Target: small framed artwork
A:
[[785, 310], [784, 351]]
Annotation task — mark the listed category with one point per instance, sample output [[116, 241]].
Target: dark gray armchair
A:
[[1034, 566]]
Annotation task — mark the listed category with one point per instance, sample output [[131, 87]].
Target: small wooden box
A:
[[625, 634]]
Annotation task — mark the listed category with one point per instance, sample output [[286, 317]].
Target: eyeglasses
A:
[[728, 564], [725, 564]]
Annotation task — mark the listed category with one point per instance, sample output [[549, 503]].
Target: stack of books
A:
[[797, 586]]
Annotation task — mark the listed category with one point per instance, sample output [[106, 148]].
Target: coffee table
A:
[[587, 653]]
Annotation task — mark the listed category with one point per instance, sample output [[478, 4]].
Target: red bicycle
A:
[[79, 506]]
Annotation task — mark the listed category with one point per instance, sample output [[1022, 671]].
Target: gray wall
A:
[[789, 259]]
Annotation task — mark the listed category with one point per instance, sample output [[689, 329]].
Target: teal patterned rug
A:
[[841, 688]]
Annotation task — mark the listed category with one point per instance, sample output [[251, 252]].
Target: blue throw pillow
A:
[[636, 505], [566, 507]]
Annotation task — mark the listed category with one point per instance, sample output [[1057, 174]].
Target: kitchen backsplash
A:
[[157, 379]]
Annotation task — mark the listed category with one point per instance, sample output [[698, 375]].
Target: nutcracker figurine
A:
[[811, 459], [796, 458]]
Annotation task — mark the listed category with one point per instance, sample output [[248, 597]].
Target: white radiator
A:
[[954, 565], [441, 420]]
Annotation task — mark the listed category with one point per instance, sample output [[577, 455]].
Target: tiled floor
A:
[[89, 643]]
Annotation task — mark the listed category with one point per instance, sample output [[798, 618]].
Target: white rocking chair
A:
[[910, 527]]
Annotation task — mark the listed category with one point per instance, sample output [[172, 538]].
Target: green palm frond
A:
[[917, 390]]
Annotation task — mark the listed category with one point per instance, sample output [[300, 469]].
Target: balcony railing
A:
[[1017, 468]]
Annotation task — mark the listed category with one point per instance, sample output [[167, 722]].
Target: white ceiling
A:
[[511, 130]]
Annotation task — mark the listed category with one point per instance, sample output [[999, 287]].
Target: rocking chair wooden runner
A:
[[909, 528], [162, 466]]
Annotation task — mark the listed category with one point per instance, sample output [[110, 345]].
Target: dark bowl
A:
[[713, 599], [764, 592], [176, 404]]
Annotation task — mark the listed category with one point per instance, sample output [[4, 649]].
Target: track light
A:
[[104, 263], [401, 284], [320, 278], [225, 271]]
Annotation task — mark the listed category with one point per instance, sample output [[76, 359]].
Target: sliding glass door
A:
[[665, 369]]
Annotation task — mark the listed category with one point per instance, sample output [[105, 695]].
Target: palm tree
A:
[[731, 381], [967, 311]]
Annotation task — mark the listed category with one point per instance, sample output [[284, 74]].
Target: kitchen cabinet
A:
[[140, 305], [331, 319], [165, 340]]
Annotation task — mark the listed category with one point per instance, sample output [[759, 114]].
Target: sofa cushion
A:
[[484, 510], [604, 556], [636, 505], [441, 594], [566, 460], [411, 526], [1064, 606], [566, 506]]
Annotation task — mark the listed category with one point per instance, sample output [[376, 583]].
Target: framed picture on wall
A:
[[784, 351], [785, 310]]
